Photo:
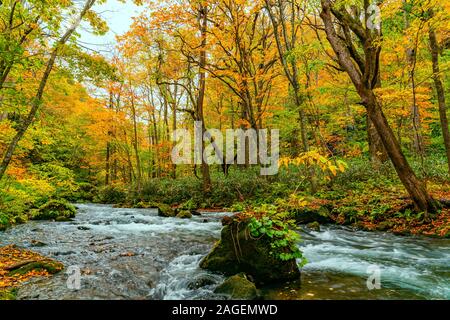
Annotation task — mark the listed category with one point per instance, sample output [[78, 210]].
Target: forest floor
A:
[[19, 265]]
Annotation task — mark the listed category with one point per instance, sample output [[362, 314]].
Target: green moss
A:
[[4, 221], [54, 210], [8, 294], [314, 226], [164, 210], [238, 251], [238, 287], [50, 266], [184, 214]]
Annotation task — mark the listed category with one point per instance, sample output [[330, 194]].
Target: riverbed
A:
[[135, 254]]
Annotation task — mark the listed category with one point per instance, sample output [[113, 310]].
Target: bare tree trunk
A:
[[135, 146], [201, 93]]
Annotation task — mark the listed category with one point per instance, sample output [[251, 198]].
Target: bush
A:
[[54, 210], [85, 192], [110, 194], [4, 221]]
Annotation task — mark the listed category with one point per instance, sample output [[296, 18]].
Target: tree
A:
[[440, 92], [37, 100], [363, 71]]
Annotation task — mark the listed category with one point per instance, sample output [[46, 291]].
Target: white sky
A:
[[119, 18]]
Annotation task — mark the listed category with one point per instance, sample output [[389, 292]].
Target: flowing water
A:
[[135, 254]]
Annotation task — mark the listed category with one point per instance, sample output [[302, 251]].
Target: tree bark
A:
[[201, 93], [364, 78]]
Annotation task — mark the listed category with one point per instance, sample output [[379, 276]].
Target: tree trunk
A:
[[107, 163], [201, 95], [434, 46], [364, 77], [416, 188], [135, 147]]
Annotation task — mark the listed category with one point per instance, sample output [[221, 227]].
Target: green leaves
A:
[[283, 239]]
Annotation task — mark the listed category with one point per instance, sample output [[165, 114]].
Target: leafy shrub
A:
[[283, 239], [110, 194], [4, 221], [54, 209]]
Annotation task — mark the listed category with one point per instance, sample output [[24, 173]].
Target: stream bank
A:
[[135, 254]]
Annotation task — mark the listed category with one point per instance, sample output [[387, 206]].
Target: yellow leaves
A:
[[296, 201], [39, 187], [11, 255], [315, 160]]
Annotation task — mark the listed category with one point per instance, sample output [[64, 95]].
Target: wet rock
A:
[[238, 287], [205, 221], [54, 209], [385, 225], [37, 243], [63, 219], [195, 213], [237, 252], [48, 265], [308, 215], [64, 253], [83, 228], [200, 283], [184, 214], [314, 226], [165, 210]]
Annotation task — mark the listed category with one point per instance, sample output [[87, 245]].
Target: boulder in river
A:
[[237, 251], [184, 214], [321, 215], [315, 226], [238, 287], [164, 210], [54, 210]]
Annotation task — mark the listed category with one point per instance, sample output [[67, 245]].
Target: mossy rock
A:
[[48, 265], [237, 252], [308, 215], [54, 210], [238, 287], [315, 226], [165, 210], [8, 294], [385, 225], [184, 214]]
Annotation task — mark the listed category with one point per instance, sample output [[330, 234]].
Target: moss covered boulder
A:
[[237, 251], [315, 226], [238, 287], [59, 210], [321, 215], [164, 210], [8, 294], [49, 265], [184, 214]]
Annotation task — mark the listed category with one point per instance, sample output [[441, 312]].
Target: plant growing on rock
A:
[[282, 235]]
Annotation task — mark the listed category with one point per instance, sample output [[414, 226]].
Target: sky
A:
[[118, 15]]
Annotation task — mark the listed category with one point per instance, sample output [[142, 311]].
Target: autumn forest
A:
[[356, 90]]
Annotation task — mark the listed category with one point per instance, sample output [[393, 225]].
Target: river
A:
[[135, 254]]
